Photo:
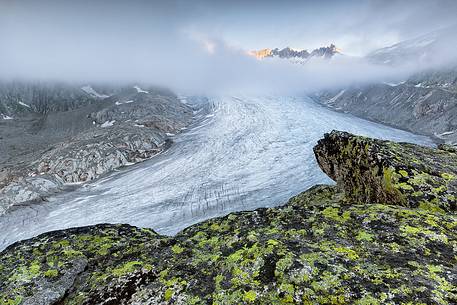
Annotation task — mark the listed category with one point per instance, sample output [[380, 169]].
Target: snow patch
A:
[[125, 102], [108, 124], [395, 84], [139, 90], [446, 133], [333, 99], [24, 104], [75, 183], [421, 43], [5, 117], [89, 90]]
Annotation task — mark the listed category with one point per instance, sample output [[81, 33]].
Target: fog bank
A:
[[173, 44]]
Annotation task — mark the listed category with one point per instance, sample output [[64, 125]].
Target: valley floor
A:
[[249, 152]]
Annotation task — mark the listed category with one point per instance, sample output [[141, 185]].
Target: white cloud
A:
[[191, 46]]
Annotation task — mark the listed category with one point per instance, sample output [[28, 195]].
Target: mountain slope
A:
[[67, 134], [428, 48], [425, 102]]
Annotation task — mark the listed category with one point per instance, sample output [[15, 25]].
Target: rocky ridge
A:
[[289, 53], [367, 240]]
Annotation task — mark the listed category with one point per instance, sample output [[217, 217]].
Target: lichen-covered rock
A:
[[376, 171], [102, 261], [316, 249]]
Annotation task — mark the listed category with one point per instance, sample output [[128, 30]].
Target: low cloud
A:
[[159, 44]]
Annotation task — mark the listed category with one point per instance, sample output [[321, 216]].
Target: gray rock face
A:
[[74, 135], [98, 152], [370, 171], [289, 53], [52, 291], [24, 189], [20, 99], [426, 103]]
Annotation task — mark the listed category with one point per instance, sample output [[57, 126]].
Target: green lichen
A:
[[448, 176], [16, 301], [364, 236], [250, 296], [51, 273], [168, 294], [126, 268], [177, 249]]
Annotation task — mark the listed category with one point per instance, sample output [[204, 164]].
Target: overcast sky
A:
[[356, 26], [103, 38]]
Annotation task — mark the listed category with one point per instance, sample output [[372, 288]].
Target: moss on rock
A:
[[376, 171]]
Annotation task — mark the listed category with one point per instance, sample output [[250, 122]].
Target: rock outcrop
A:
[[323, 247], [376, 171]]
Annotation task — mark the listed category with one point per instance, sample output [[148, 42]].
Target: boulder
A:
[[375, 171]]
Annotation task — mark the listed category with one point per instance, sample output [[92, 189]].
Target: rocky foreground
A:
[[386, 234]]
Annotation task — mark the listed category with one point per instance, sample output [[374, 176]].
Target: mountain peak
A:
[[291, 53]]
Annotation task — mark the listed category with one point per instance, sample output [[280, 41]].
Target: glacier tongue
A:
[[252, 152]]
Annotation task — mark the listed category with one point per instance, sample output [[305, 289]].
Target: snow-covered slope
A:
[[433, 47]]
